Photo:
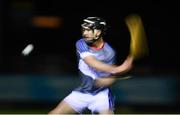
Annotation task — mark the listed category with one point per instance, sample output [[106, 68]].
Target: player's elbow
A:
[[130, 67]]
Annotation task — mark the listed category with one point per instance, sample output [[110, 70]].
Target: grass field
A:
[[44, 108]]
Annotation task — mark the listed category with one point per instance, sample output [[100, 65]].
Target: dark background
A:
[[160, 20], [54, 48]]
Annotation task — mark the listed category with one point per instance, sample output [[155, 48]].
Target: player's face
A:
[[90, 34]]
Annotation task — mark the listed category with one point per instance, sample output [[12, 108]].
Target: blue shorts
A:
[[96, 103]]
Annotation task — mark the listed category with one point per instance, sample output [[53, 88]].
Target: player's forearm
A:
[[91, 61], [105, 81], [125, 66], [98, 65]]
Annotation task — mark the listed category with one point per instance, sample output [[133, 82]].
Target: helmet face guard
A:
[[94, 23]]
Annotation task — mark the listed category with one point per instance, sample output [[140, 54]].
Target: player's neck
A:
[[98, 44]]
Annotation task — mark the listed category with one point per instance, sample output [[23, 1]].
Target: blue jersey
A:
[[88, 74]]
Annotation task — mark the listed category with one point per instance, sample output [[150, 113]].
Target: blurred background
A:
[[36, 83]]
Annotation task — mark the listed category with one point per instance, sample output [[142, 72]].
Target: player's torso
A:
[[105, 54]]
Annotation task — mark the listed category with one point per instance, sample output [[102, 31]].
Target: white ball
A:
[[28, 49]]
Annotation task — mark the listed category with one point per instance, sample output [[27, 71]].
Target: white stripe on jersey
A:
[[84, 54], [85, 69]]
